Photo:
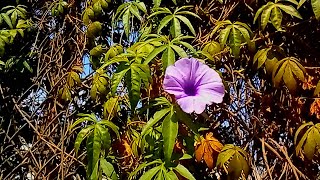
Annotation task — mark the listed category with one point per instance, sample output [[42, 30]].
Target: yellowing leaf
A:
[[288, 70], [308, 144], [212, 48], [317, 90], [234, 161]]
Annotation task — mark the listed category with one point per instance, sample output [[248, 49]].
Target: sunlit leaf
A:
[[169, 133]]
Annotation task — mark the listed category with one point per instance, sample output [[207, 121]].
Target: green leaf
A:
[[105, 137], [154, 53], [276, 18], [7, 20], [118, 76], [154, 120], [289, 10], [183, 171], [108, 169], [310, 144], [151, 173], [144, 165], [134, 82], [94, 174], [316, 8], [110, 108], [246, 35], [169, 133], [126, 22], [27, 66], [278, 72], [301, 2], [224, 34], [260, 11], [297, 69], [289, 80], [265, 16], [171, 176], [96, 147], [299, 130], [14, 17], [225, 155], [235, 41], [187, 45], [188, 13], [175, 28], [80, 137], [141, 6], [187, 22], [156, 3], [164, 22], [112, 126], [179, 51], [80, 120], [135, 11], [168, 57]]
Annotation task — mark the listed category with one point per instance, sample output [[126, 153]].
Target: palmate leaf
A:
[[309, 143], [233, 35], [207, 149], [234, 160], [287, 69], [267, 57], [174, 19], [135, 74], [169, 48], [272, 12], [128, 9]]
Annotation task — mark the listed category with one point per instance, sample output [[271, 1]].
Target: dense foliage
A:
[[82, 97]]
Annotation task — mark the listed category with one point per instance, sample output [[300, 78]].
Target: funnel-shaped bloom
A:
[[194, 85]]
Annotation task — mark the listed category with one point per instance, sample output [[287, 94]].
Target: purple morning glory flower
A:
[[194, 85]]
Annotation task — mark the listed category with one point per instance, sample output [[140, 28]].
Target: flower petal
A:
[[187, 67], [191, 104], [212, 95], [173, 83], [206, 75]]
